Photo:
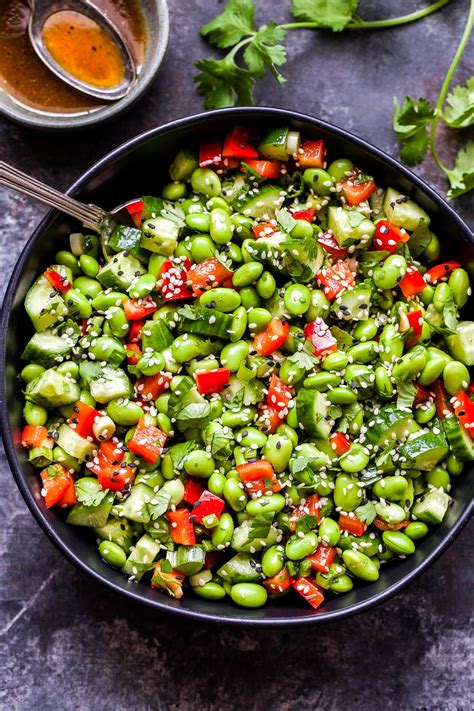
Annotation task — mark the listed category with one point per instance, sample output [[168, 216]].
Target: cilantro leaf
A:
[[344, 339], [300, 464], [222, 82], [188, 312], [459, 112], [366, 512], [234, 23], [303, 359], [285, 219], [419, 239], [414, 149], [461, 177], [266, 52], [260, 526], [306, 523], [159, 504], [333, 14], [450, 314], [406, 393], [173, 213], [89, 495], [409, 123]]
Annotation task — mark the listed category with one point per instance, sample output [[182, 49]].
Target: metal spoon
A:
[[41, 10], [90, 216]]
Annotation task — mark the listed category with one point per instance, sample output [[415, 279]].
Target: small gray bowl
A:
[[157, 21]]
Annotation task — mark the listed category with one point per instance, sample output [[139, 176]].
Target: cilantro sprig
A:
[[253, 51], [415, 122]]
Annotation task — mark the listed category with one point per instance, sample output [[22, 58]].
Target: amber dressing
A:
[[29, 81]]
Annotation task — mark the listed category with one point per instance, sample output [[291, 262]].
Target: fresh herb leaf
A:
[[419, 239], [173, 213], [89, 495], [409, 123], [413, 150], [304, 358], [450, 314], [459, 112], [260, 526], [188, 312], [223, 82], [286, 220], [266, 52], [300, 464], [221, 442], [366, 512], [461, 177], [362, 178], [159, 504], [370, 475], [179, 452], [344, 339], [406, 393], [234, 23], [333, 14], [165, 566], [193, 413], [306, 523]]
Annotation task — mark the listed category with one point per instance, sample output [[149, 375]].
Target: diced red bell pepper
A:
[[210, 152], [152, 386], [412, 320], [133, 353], [135, 210], [181, 527], [268, 341], [352, 524], [258, 476], [422, 394], [309, 591], [335, 279], [192, 490], [116, 478], [136, 309], [69, 497], [270, 169], [340, 443], [279, 582], [384, 526], [263, 229], [311, 154], [441, 399], [279, 394], [172, 582], [464, 410], [440, 272], [238, 144], [83, 418], [147, 442], [270, 418], [56, 481], [135, 333], [331, 245], [36, 436], [212, 381], [172, 283], [356, 192], [208, 504], [309, 508], [57, 280], [108, 457], [387, 236], [322, 558], [319, 334], [306, 215], [207, 275], [412, 283]]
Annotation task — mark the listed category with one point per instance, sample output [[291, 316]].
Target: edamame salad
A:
[[259, 388]]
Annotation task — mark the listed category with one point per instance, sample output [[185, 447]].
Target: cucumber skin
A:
[[459, 440], [311, 409]]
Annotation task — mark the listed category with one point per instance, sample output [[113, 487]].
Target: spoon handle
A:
[[91, 216]]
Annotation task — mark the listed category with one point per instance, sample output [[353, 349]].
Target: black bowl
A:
[[125, 174]]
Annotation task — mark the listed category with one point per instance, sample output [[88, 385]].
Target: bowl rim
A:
[[237, 619], [42, 121]]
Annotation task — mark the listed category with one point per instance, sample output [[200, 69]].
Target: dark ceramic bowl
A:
[[125, 174]]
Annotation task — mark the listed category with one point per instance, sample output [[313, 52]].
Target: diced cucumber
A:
[[431, 509], [47, 349], [206, 322], [141, 558], [44, 305], [135, 506], [118, 531], [311, 409], [240, 569], [273, 145], [459, 439], [298, 258], [183, 165], [156, 335], [262, 204], [111, 383], [424, 451], [350, 227], [159, 235], [89, 371], [52, 389], [390, 425], [402, 211], [353, 304], [461, 343], [251, 393], [75, 445], [188, 559], [127, 239], [243, 539], [120, 272], [94, 516]]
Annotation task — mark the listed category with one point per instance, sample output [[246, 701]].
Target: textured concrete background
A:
[[69, 643]]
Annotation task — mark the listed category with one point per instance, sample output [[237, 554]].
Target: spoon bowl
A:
[[43, 10]]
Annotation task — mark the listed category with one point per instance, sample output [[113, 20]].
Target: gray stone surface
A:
[[69, 643]]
